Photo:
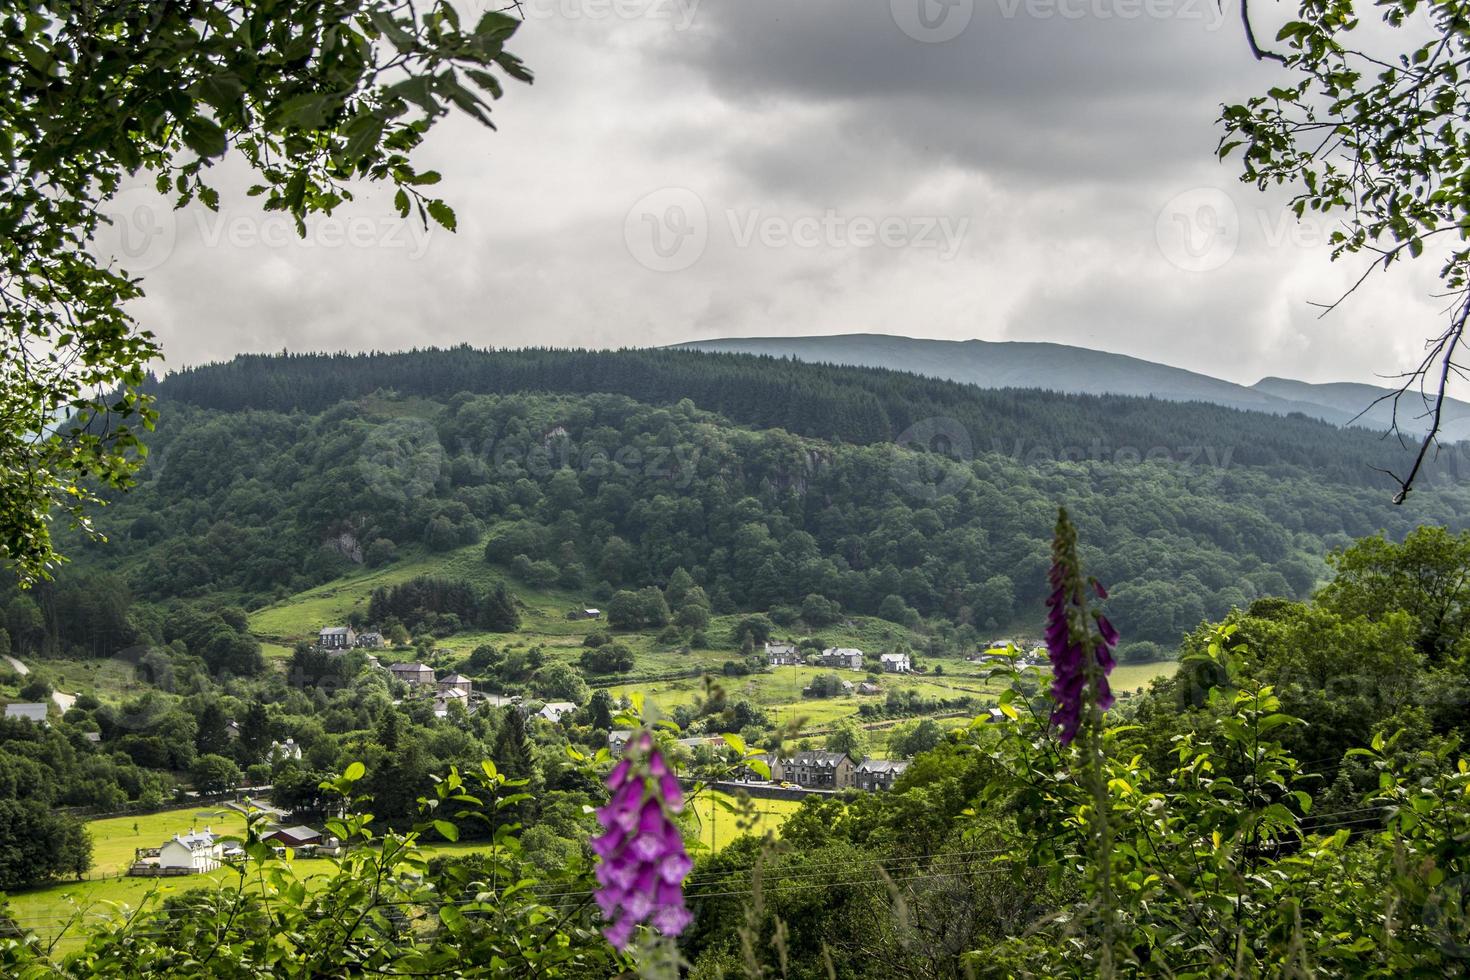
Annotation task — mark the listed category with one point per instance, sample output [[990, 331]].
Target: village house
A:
[[617, 739], [33, 711], [554, 711], [194, 853], [783, 655], [456, 682], [842, 658], [370, 641], [896, 663], [818, 770], [868, 687], [413, 674], [878, 774], [447, 697], [337, 638], [589, 613], [285, 750]]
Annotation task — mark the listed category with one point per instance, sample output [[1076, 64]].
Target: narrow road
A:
[[17, 666]]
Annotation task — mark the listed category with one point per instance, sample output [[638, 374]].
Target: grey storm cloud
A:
[[1048, 89], [1046, 171]]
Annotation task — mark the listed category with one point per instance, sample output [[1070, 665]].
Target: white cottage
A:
[[556, 710], [896, 663], [196, 853]]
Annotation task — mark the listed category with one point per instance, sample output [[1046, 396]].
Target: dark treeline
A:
[[853, 405], [443, 604]]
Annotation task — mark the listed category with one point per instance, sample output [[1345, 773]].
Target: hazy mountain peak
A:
[[1082, 370]]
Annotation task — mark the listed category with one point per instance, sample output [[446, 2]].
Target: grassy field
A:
[[718, 826], [115, 838], [47, 911]]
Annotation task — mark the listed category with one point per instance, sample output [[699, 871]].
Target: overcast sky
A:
[[693, 169]]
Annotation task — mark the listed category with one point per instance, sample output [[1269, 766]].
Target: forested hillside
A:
[[854, 405], [272, 475]]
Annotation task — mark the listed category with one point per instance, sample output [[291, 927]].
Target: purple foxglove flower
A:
[[643, 858], [1070, 640]]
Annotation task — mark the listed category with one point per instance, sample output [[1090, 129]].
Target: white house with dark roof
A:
[[34, 711], [197, 853], [285, 750], [896, 663], [557, 710]]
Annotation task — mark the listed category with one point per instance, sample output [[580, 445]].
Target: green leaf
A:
[[354, 772], [452, 918], [442, 213], [205, 137], [447, 830], [363, 134]]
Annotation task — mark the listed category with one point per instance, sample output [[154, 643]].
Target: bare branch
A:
[[1260, 53]]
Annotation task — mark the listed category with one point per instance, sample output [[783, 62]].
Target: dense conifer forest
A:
[[852, 405]]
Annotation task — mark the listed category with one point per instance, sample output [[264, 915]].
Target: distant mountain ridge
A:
[[1081, 370]]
